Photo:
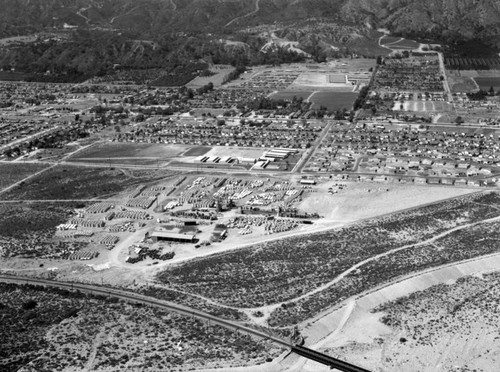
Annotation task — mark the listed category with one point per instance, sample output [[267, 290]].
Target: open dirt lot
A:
[[364, 200]]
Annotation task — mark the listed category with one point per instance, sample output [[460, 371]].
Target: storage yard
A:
[[181, 215]]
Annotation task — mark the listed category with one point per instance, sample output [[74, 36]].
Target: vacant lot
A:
[[68, 182], [485, 83], [112, 150], [13, 172], [334, 100]]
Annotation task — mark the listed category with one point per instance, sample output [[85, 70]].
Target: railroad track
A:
[[333, 363]]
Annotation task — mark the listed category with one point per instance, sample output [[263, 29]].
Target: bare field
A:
[[364, 200], [72, 182]]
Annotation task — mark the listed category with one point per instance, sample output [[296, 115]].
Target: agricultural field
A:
[[334, 100], [50, 329], [14, 172], [281, 271], [71, 182], [462, 63]]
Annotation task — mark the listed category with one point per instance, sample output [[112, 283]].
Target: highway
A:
[[184, 310]]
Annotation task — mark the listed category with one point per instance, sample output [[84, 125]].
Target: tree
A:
[[459, 120]]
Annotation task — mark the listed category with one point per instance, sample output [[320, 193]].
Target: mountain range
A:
[[148, 18], [84, 38]]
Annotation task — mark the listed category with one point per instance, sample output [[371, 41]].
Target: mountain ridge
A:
[[147, 18]]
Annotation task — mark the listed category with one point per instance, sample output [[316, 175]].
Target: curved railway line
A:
[[333, 363]]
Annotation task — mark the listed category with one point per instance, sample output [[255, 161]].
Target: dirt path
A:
[[446, 85], [308, 99], [99, 338], [383, 45], [80, 13], [257, 8], [374, 258]]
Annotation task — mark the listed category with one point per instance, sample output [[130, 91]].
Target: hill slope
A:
[[437, 18]]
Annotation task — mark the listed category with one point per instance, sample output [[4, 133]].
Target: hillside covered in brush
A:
[[84, 38], [464, 18]]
